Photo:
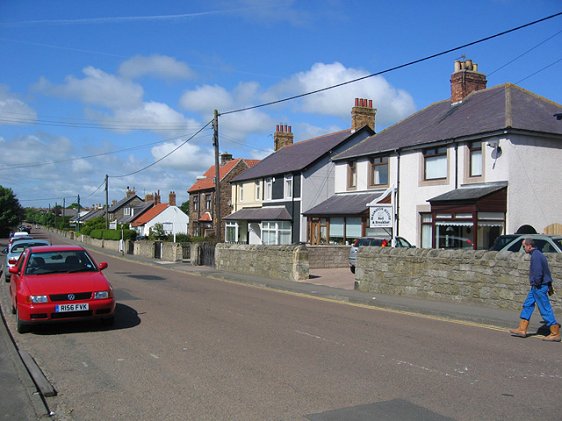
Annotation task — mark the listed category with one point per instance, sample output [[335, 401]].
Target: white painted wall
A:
[[171, 214]]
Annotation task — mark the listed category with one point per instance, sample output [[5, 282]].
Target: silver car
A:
[[545, 243], [16, 249], [373, 242]]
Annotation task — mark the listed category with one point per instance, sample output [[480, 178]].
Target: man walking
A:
[[541, 285]]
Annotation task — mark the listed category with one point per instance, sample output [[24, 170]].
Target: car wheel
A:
[[20, 325]]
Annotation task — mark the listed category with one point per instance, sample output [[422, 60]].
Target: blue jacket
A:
[[539, 272]]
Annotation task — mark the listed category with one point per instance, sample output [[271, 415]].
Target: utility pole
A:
[[63, 211], [106, 204], [217, 221], [78, 215]]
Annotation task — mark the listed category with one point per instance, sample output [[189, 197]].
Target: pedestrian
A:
[[540, 280]]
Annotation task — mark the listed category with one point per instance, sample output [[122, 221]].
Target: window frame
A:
[[352, 175], [288, 186], [381, 161], [433, 155]]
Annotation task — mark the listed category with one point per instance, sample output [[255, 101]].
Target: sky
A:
[[128, 89]]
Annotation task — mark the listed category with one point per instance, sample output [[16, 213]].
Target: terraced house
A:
[[269, 199], [456, 174]]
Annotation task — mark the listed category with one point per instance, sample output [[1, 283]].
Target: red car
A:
[[57, 283]]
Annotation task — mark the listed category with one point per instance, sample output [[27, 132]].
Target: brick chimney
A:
[[282, 137], [465, 80], [131, 192], [225, 157], [172, 198], [157, 198], [149, 197], [363, 114]]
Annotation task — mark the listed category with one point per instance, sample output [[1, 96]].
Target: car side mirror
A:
[[13, 270], [102, 265], [5, 250]]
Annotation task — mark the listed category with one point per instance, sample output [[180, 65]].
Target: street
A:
[[189, 347]]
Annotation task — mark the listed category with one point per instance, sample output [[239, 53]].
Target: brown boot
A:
[[521, 331], [554, 334]]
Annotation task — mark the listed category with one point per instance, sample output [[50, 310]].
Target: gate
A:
[[186, 251], [207, 254], [158, 249]]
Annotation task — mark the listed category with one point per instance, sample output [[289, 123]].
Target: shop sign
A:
[[380, 216]]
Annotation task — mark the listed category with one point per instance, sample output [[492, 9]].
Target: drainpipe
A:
[[397, 223], [456, 166]]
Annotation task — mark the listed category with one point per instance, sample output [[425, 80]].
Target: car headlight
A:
[[101, 295], [38, 299]]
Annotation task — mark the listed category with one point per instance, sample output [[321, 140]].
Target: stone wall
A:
[[328, 257], [277, 262], [489, 278]]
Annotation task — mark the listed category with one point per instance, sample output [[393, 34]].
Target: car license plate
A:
[[63, 308]]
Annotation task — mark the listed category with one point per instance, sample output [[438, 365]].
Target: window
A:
[[268, 188], [231, 235], [208, 201], [195, 203], [288, 187], [426, 230], [435, 163], [378, 172], [241, 192], [258, 190], [127, 211], [276, 232], [475, 159], [352, 175]]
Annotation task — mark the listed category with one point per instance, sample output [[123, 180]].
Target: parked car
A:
[[17, 248], [454, 242], [18, 235], [545, 243], [373, 242], [59, 283], [502, 240]]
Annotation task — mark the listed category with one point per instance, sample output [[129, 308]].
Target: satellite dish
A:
[[496, 152]]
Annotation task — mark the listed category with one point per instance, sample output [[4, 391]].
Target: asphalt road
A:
[[193, 348]]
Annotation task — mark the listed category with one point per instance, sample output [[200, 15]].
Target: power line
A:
[[165, 156], [401, 66]]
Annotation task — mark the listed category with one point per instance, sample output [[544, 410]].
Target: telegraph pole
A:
[[106, 205], [217, 177], [78, 216]]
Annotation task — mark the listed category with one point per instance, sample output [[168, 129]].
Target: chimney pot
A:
[[363, 114]]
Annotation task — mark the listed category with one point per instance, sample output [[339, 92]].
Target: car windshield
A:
[[59, 262], [19, 247]]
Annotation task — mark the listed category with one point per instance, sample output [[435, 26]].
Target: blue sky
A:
[[89, 88]]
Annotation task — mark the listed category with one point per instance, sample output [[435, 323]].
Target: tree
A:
[[11, 212], [185, 207]]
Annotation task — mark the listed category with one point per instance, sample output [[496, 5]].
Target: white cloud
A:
[[13, 110], [190, 157], [157, 66], [392, 104], [96, 88]]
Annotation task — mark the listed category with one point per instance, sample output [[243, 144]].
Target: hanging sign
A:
[[380, 216]]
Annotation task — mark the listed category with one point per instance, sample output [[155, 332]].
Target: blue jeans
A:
[[540, 297]]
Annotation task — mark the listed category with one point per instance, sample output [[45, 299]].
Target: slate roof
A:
[[298, 156], [343, 204], [260, 214], [483, 112], [470, 192], [94, 213], [208, 182], [122, 202], [137, 212]]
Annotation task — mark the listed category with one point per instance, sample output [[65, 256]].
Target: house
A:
[[458, 173], [270, 198], [122, 210], [172, 218], [202, 198]]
